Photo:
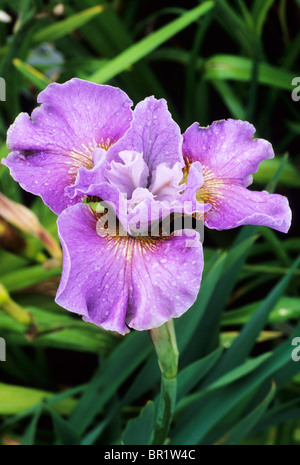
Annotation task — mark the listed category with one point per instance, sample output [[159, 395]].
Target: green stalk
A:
[[164, 341], [165, 410]]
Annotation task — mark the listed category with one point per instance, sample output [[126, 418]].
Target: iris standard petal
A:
[[153, 133], [62, 134], [124, 282]]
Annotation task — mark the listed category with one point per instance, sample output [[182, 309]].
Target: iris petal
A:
[[48, 148], [236, 206], [227, 148], [229, 156], [121, 282], [153, 133]]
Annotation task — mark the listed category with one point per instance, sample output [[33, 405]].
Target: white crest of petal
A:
[[139, 195], [130, 174], [165, 185]]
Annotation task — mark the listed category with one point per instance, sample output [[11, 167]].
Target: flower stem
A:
[[165, 410], [164, 341]]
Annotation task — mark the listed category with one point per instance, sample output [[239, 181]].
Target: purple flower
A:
[[76, 120], [85, 146], [132, 279], [229, 155], [125, 282]]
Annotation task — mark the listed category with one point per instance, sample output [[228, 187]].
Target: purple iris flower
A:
[[85, 144], [133, 281], [229, 155], [115, 281]]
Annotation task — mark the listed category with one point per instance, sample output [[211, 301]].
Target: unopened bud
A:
[[10, 238], [23, 219]]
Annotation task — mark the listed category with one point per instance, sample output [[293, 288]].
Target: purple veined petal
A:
[[227, 149], [45, 175], [229, 155], [124, 282], [48, 148], [234, 205], [153, 133]]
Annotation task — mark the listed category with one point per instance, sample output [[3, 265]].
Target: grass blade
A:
[[138, 431], [61, 28], [243, 427], [122, 362], [244, 343], [141, 49], [33, 75]]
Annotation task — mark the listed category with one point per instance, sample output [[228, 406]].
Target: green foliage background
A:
[[68, 382]]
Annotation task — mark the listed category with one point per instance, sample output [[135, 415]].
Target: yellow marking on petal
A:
[[129, 245], [106, 144], [112, 229], [86, 157], [82, 159], [212, 189], [186, 170]]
